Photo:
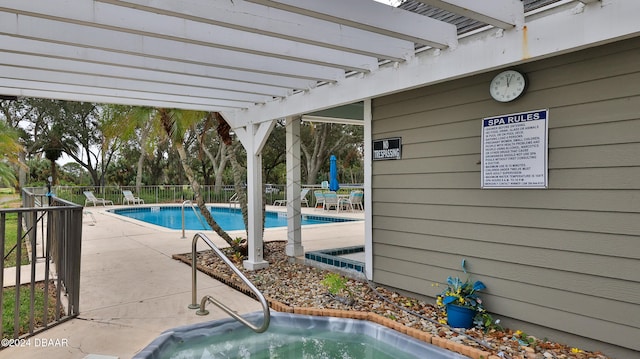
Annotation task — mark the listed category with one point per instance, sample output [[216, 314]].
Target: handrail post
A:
[[194, 296], [183, 203], [207, 298]]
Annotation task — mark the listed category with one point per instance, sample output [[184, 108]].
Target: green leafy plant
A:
[[462, 293], [335, 283], [524, 339], [485, 320], [237, 257]]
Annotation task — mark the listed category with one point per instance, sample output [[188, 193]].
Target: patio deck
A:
[[131, 290]]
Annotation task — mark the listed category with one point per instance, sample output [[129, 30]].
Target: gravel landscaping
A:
[[295, 287]]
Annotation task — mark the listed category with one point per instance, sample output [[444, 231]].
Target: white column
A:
[[294, 217], [254, 206], [368, 193], [253, 137]]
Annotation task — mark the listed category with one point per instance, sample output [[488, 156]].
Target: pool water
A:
[[282, 342], [230, 219], [290, 336]]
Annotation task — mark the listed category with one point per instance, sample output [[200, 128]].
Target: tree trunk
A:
[[236, 169], [144, 135], [166, 123], [22, 170]]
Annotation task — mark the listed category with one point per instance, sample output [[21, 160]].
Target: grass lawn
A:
[[10, 232], [8, 308], [8, 294]]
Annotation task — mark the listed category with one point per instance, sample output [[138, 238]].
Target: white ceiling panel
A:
[[264, 59]]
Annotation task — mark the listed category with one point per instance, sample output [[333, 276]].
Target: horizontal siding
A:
[[597, 222], [562, 298], [621, 178], [566, 257], [577, 200], [610, 245], [597, 285]]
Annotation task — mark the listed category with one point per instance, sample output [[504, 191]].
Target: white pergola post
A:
[[368, 217], [294, 246], [253, 137]]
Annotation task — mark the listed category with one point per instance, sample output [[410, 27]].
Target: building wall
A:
[[564, 259]]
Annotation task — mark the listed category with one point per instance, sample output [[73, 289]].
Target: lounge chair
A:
[[235, 199], [303, 199], [130, 198], [91, 198]]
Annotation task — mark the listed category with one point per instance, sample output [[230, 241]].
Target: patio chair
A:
[[331, 200], [354, 201], [130, 198], [319, 198], [303, 199], [91, 198]]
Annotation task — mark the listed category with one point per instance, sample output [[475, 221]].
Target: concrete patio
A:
[[132, 290]]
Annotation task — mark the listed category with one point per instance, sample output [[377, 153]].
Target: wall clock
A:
[[508, 86]]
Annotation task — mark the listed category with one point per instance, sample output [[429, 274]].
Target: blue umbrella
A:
[[333, 175]]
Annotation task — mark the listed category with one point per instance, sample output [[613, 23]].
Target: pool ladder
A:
[[204, 226], [207, 298]]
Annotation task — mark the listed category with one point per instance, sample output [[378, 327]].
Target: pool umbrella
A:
[[333, 175]]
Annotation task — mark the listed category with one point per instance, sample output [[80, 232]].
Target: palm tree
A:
[[125, 123], [9, 149], [176, 123]]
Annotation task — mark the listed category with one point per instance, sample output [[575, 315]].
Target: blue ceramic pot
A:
[[460, 317]]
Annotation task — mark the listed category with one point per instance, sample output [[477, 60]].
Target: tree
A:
[[274, 155], [125, 123], [176, 123], [9, 149], [208, 138], [17, 114], [318, 141]]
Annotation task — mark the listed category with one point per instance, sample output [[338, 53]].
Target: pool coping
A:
[[411, 345], [331, 257]]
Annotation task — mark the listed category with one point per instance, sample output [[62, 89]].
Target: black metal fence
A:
[[40, 247]]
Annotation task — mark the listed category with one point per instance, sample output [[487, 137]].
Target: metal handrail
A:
[[204, 226], [194, 300]]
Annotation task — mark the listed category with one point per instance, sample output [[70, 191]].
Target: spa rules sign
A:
[[514, 150]]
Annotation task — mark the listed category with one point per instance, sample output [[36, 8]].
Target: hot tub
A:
[[291, 336]]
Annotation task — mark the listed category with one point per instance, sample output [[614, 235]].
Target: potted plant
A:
[[460, 300]]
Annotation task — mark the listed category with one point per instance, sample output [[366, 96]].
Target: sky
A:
[[390, 2]]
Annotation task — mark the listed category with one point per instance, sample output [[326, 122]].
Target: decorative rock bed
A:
[[295, 288]]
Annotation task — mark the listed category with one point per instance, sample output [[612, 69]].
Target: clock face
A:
[[508, 86]]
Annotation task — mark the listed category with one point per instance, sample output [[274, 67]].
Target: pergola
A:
[[256, 61]]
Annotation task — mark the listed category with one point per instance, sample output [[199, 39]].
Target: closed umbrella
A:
[[333, 174]]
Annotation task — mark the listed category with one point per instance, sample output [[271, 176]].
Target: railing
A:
[[54, 226], [204, 226], [174, 193], [201, 307]]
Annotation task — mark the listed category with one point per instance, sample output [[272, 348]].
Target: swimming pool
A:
[[230, 219], [291, 336]]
